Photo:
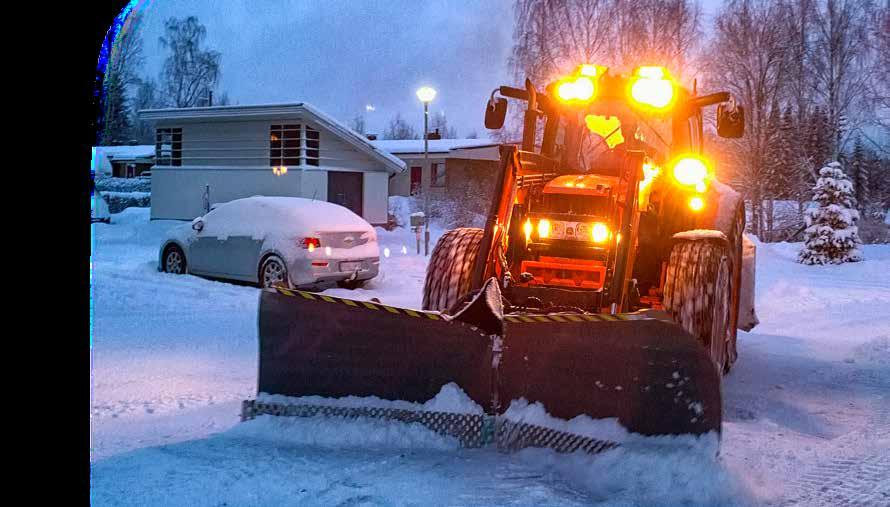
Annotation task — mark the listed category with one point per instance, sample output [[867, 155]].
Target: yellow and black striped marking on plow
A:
[[359, 304], [556, 317]]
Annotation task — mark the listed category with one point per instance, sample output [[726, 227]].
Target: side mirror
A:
[[495, 112], [198, 224], [730, 121]]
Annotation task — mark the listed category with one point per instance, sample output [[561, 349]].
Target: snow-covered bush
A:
[[831, 236], [110, 184], [119, 201]]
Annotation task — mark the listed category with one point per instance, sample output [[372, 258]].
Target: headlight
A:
[[696, 203], [652, 87], [527, 228], [578, 89], [599, 233], [691, 171], [544, 228]]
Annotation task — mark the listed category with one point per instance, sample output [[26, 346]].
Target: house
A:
[[449, 160], [124, 161], [206, 155], [460, 171]]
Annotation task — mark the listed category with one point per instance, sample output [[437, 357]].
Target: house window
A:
[[168, 146], [284, 145], [311, 146], [437, 175]]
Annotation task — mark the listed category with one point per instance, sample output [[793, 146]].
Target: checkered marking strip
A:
[[472, 430], [469, 429]]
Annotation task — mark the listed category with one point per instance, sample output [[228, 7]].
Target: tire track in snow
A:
[[855, 481]]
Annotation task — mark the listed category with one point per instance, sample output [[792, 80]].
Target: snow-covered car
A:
[[99, 208], [270, 241]]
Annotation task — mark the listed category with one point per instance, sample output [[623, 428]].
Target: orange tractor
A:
[[608, 282]]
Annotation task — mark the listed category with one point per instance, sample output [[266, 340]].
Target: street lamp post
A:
[[426, 95]]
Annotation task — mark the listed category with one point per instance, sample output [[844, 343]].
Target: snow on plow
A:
[[335, 357]]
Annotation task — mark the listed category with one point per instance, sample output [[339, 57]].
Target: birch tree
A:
[[190, 73]]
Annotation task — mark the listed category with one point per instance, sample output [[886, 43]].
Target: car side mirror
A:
[[730, 120], [198, 224], [495, 113]]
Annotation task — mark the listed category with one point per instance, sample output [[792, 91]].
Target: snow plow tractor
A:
[[607, 285]]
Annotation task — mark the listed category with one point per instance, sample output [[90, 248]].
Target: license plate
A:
[[350, 266]]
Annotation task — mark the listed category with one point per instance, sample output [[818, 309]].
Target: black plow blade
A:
[[643, 371]]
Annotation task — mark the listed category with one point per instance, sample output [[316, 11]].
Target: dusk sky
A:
[[342, 55]]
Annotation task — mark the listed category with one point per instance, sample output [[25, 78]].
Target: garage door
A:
[[345, 189]]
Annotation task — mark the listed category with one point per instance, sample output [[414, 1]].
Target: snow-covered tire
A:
[[450, 271], [698, 294], [174, 260], [273, 272]]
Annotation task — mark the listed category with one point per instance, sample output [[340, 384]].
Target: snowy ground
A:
[[807, 407]]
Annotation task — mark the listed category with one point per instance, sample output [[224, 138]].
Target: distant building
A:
[[451, 162], [124, 161], [207, 155]]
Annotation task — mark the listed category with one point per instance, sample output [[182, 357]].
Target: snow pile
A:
[[401, 208], [831, 236], [521, 411], [451, 398], [637, 475]]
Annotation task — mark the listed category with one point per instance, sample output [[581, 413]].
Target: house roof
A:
[[263, 111], [403, 146], [127, 152]]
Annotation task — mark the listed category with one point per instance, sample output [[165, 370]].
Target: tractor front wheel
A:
[[698, 295], [450, 271]]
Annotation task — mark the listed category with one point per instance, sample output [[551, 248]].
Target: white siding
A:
[[178, 193], [375, 197], [315, 185]]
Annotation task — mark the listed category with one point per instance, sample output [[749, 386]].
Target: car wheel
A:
[[174, 260], [351, 284], [273, 272]]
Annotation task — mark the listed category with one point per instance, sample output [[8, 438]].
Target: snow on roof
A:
[[435, 145], [392, 163], [127, 152]]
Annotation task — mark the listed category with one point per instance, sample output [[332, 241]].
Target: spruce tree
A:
[[831, 236], [859, 174]]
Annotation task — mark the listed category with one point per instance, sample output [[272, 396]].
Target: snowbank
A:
[[450, 398]]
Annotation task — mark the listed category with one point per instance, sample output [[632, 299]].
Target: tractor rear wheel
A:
[[698, 294], [450, 271]]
